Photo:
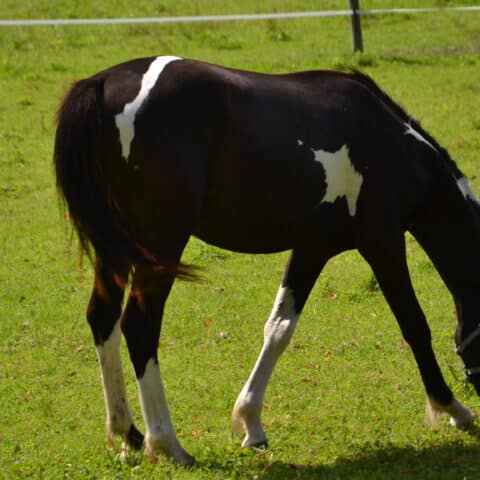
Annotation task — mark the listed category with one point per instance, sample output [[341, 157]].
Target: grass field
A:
[[346, 400]]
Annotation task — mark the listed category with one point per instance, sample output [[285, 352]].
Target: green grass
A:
[[346, 400]]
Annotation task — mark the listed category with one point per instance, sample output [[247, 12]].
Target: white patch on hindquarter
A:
[[125, 121], [340, 176], [466, 190], [411, 131]]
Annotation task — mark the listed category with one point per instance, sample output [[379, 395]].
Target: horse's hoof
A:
[[134, 438], [463, 417], [252, 443], [156, 453], [460, 415], [263, 445], [185, 459]]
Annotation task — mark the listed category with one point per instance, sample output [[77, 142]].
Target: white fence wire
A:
[[229, 18]]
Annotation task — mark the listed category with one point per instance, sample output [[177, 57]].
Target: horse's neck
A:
[[448, 229]]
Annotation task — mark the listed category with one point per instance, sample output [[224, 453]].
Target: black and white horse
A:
[[152, 151]]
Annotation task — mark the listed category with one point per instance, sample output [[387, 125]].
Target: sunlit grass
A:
[[346, 400]]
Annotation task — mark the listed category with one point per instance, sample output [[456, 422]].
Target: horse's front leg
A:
[[103, 316], [300, 276], [387, 258], [141, 323]]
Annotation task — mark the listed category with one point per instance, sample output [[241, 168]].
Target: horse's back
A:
[[257, 162]]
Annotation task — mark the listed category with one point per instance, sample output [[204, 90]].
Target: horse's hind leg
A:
[[300, 276], [141, 323], [387, 258], [103, 316]]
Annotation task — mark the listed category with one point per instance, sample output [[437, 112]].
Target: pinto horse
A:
[[152, 151]]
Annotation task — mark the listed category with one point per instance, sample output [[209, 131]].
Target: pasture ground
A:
[[346, 400]]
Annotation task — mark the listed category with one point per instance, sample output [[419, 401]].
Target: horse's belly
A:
[[246, 234], [267, 227]]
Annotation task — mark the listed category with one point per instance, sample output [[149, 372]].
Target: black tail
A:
[[83, 183]]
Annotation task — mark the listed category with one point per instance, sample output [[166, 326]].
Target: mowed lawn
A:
[[346, 400]]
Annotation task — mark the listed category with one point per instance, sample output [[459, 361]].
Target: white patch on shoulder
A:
[[411, 131], [466, 190], [125, 121], [340, 176]]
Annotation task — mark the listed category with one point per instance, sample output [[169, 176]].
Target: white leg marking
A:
[[411, 131], [160, 435], [340, 176], [125, 121], [277, 334], [459, 414], [466, 190], [119, 416]]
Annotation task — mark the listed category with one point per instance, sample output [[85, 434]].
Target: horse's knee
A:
[[282, 322], [278, 333]]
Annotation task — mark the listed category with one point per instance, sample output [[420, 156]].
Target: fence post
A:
[[357, 40]]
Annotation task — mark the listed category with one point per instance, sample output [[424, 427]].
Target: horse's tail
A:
[[83, 184]]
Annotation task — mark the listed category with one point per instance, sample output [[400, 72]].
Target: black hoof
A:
[[260, 445], [134, 438]]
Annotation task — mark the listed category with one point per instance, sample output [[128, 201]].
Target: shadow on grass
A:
[[451, 461], [447, 462]]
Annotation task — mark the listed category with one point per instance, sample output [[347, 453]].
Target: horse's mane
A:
[[403, 115]]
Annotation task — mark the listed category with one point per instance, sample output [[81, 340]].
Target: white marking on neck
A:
[[125, 121], [411, 131], [341, 178], [466, 190]]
